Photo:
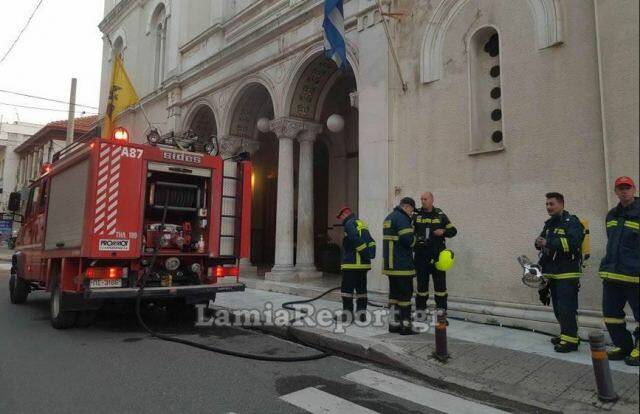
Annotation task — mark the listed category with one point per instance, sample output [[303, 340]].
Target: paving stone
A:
[[554, 377]]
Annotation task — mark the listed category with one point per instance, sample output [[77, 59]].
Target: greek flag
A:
[[334, 43]]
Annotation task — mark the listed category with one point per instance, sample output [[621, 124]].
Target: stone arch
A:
[[159, 7], [547, 17], [251, 99], [197, 113], [119, 43], [296, 87]]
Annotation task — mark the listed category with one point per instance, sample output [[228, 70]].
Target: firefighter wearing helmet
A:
[[620, 272], [359, 249], [432, 258]]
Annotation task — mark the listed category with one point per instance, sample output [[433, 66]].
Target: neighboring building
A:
[[505, 100], [36, 151], [11, 136]]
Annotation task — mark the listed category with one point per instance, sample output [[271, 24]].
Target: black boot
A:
[[421, 302], [405, 320], [361, 309], [394, 324]]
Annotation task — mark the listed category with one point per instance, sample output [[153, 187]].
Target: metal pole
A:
[[72, 112], [441, 353], [601, 367]]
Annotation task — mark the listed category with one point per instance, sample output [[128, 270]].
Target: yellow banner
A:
[[121, 96]]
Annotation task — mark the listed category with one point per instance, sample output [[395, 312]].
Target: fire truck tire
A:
[[85, 318], [18, 289], [60, 319]]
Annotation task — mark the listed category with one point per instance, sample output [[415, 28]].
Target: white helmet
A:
[[532, 274]]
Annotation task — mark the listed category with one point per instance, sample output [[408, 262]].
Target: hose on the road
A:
[[258, 357]]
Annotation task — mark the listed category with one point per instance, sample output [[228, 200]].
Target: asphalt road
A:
[[113, 366]]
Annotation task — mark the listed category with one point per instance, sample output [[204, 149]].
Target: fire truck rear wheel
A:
[[18, 289], [60, 319]]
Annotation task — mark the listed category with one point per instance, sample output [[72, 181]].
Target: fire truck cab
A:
[[92, 223]]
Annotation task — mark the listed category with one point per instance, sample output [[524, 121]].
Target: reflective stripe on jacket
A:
[[621, 262], [561, 257], [358, 247], [398, 242], [425, 222]]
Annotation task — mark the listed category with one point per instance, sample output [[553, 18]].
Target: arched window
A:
[[485, 91], [159, 30], [118, 45]]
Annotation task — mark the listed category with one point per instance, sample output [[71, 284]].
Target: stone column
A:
[[246, 267], [286, 129], [305, 251]]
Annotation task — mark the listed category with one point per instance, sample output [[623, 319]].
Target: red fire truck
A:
[[93, 221]]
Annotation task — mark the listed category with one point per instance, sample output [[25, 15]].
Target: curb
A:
[[387, 356]]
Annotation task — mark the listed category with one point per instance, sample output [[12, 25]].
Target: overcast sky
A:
[[62, 41]]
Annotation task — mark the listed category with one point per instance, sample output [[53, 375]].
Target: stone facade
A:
[[568, 120]]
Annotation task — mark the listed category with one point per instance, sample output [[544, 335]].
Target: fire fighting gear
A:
[[545, 295], [614, 297], [617, 354], [354, 281], [622, 260], [400, 292], [561, 257], [427, 252], [398, 266], [398, 242], [564, 297], [445, 260], [564, 347], [620, 271], [586, 242], [358, 250], [358, 246], [634, 358], [532, 274]]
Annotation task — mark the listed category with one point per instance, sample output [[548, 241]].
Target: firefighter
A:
[[398, 265], [359, 249], [620, 272], [432, 226], [561, 260]]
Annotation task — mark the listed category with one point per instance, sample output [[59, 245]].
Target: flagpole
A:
[[393, 50]]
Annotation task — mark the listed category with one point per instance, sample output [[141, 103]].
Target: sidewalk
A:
[[518, 368], [5, 254]]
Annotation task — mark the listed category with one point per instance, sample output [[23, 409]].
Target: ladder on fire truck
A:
[[230, 218]]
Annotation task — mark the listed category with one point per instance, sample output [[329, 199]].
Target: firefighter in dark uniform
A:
[[620, 272], [398, 265], [560, 244], [359, 249], [432, 226]]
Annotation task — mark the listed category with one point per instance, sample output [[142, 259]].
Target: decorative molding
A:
[[310, 132], [229, 145], [548, 18], [287, 127], [354, 99], [548, 23], [167, 13]]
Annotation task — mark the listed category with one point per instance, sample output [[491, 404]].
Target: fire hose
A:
[[321, 354]]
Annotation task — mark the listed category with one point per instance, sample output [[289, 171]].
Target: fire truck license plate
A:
[[105, 283]]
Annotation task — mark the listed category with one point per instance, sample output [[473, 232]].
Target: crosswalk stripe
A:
[[316, 401], [420, 395]]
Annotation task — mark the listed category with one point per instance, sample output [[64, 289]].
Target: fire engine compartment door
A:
[[66, 212], [116, 210]]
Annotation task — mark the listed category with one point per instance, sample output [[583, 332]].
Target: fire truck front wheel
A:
[[18, 289], [60, 319]]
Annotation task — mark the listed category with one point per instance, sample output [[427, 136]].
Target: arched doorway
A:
[[203, 123], [322, 90], [252, 103]]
